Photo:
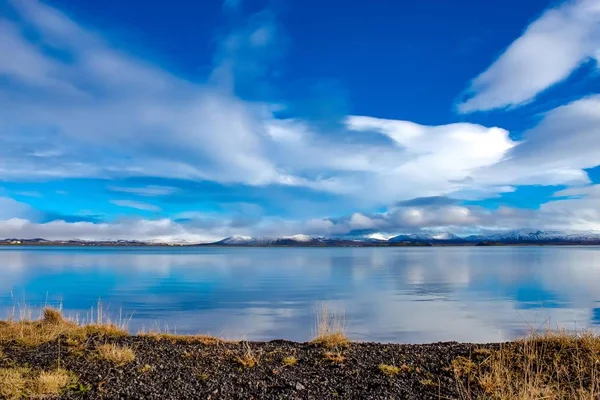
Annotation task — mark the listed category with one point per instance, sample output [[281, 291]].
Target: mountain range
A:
[[517, 237], [437, 238]]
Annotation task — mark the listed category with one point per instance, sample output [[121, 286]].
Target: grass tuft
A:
[[249, 358], [173, 338], [52, 316], [334, 357], [290, 360], [52, 383], [19, 382], [50, 326], [329, 328], [13, 383], [146, 368], [389, 370], [463, 366], [116, 354]]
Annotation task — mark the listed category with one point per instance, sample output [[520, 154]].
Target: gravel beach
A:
[[57, 358], [165, 368]]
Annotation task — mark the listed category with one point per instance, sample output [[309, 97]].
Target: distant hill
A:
[[423, 239], [516, 237]]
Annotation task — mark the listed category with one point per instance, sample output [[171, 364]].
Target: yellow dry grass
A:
[[20, 382], [334, 357], [329, 328], [52, 382], [146, 368], [389, 370], [551, 366], [248, 358], [116, 354], [50, 326], [174, 338], [13, 383], [290, 360]]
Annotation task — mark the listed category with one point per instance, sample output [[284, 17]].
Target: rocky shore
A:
[[166, 369], [54, 358]]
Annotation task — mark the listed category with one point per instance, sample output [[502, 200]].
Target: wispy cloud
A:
[[550, 49], [29, 194], [10, 208], [581, 211], [556, 151], [149, 191], [136, 204], [115, 115]]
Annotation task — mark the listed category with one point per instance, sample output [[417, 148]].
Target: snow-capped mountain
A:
[[411, 237], [424, 237], [300, 238], [443, 237], [543, 236], [238, 240], [429, 238]]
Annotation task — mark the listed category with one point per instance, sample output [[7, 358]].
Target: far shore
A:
[[314, 246]]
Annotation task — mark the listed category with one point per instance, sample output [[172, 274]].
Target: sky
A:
[[196, 121]]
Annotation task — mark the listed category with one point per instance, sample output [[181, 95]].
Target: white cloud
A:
[[148, 191], [431, 160], [136, 204], [104, 113], [163, 230], [110, 113], [98, 111], [10, 208], [581, 213], [554, 152], [549, 50]]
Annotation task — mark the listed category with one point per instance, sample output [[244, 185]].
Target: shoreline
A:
[[57, 358], [366, 245]]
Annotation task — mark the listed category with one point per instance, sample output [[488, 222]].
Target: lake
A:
[[412, 294]]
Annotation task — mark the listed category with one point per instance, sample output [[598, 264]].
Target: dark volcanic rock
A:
[[172, 369]]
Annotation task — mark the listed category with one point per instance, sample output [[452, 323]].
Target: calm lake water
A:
[[386, 294]]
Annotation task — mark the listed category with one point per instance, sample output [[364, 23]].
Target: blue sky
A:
[[200, 120]]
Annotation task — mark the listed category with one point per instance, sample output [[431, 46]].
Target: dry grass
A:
[[119, 355], [290, 360], [52, 316], [406, 368], [13, 383], [249, 358], [19, 382], [389, 370], [334, 357], [146, 368], [550, 366], [174, 338], [50, 326], [330, 328], [53, 382], [464, 367]]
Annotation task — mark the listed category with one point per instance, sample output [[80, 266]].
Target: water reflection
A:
[[399, 295]]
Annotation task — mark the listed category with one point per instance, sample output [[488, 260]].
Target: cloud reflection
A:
[[388, 294]]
